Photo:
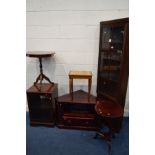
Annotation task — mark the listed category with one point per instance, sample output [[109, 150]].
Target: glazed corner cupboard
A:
[[113, 61]]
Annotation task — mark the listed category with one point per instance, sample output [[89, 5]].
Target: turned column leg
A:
[[41, 70]]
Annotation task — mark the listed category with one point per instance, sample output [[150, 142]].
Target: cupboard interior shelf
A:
[[110, 68], [111, 51], [111, 62], [113, 42], [108, 79]]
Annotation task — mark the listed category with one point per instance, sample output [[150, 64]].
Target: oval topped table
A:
[[108, 110], [40, 55]]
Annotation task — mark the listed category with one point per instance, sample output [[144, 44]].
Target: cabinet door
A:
[[111, 50], [40, 107]]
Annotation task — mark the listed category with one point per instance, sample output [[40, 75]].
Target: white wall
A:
[[70, 28]]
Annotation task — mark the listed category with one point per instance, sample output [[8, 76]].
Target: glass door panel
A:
[[105, 38], [111, 52]]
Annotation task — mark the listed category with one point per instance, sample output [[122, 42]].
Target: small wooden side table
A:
[[80, 75], [109, 111], [40, 55]]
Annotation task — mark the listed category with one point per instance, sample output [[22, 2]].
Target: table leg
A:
[[41, 75], [89, 87], [37, 79], [107, 136], [71, 87]]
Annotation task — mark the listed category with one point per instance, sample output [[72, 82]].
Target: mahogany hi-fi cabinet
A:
[[74, 111], [41, 104]]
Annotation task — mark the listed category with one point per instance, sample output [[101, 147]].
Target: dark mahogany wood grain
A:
[[107, 108]]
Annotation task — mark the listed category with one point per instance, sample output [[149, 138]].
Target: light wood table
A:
[[80, 75]]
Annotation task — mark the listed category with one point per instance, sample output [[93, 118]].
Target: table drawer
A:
[[78, 121]]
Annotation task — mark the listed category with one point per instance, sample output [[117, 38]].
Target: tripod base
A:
[[41, 77], [106, 136]]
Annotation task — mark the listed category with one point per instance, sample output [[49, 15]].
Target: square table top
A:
[[82, 74]]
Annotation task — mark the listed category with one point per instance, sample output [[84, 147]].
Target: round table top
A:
[[39, 54], [106, 108]]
